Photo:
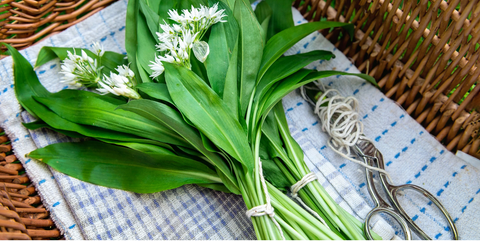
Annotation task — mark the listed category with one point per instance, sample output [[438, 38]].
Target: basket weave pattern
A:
[[424, 55], [22, 23], [22, 215]]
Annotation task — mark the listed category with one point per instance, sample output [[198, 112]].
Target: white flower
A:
[[124, 70], [86, 58], [157, 67], [118, 85], [215, 15], [79, 70], [175, 16], [98, 49], [176, 41]]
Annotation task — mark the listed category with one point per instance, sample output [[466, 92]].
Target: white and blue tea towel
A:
[[85, 211]]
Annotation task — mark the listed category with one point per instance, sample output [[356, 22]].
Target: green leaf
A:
[[167, 116], [294, 82], [144, 145], [284, 40], [263, 11], [199, 69], [157, 91], [146, 46], [274, 175], [294, 150], [223, 40], [286, 66], [164, 6], [123, 168], [26, 81], [152, 18], [265, 103], [41, 124], [131, 41], [281, 16], [230, 93], [230, 3], [208, 112], [143, 76], [154, 5], [188, 4], [264, 25], [251, 46], [93, 111], [111, 60], [216, 187]]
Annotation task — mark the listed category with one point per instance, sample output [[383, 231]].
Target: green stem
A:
[[295, 213]]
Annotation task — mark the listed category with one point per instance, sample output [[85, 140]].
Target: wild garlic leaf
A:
[[151, 147], [204, 108], [146, 45], [131, 38], [167, 116], [291, 84], [288, 65], [151, 17], [251, 46], [281, 18], [123, 168], [92, 111], [157, 91], [284, 40], [222, 40]]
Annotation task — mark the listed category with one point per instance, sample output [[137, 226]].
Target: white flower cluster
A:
[[177, 40], [83, 71], [121, 84], [80, 70]]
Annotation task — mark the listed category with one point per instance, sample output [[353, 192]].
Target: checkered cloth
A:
[[83, 210]]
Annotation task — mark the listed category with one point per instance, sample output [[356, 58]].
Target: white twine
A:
[[295, 188], [340, 119], [264, 209]]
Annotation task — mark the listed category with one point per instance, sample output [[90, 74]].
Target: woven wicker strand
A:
[[22, 215], [22, 23], [424, 56]]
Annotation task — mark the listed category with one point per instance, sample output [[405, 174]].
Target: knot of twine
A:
[[264, 209], [295, 188], [340, 119]]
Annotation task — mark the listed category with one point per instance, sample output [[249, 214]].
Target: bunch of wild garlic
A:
[[165, 117]]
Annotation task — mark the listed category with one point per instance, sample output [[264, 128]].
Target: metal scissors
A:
[[371, 156]]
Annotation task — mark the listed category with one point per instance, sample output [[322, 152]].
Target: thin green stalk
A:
[[297, 214], [292, 231], [305, 197]]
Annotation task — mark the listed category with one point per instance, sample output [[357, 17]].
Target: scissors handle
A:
[[393, 214], [392, 192]]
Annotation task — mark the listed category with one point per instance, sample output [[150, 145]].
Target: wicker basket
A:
[[22, 23], [22, 215], [424, 56]]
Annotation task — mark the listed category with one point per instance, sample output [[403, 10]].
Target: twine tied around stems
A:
[[295, 188], [264, 209]]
